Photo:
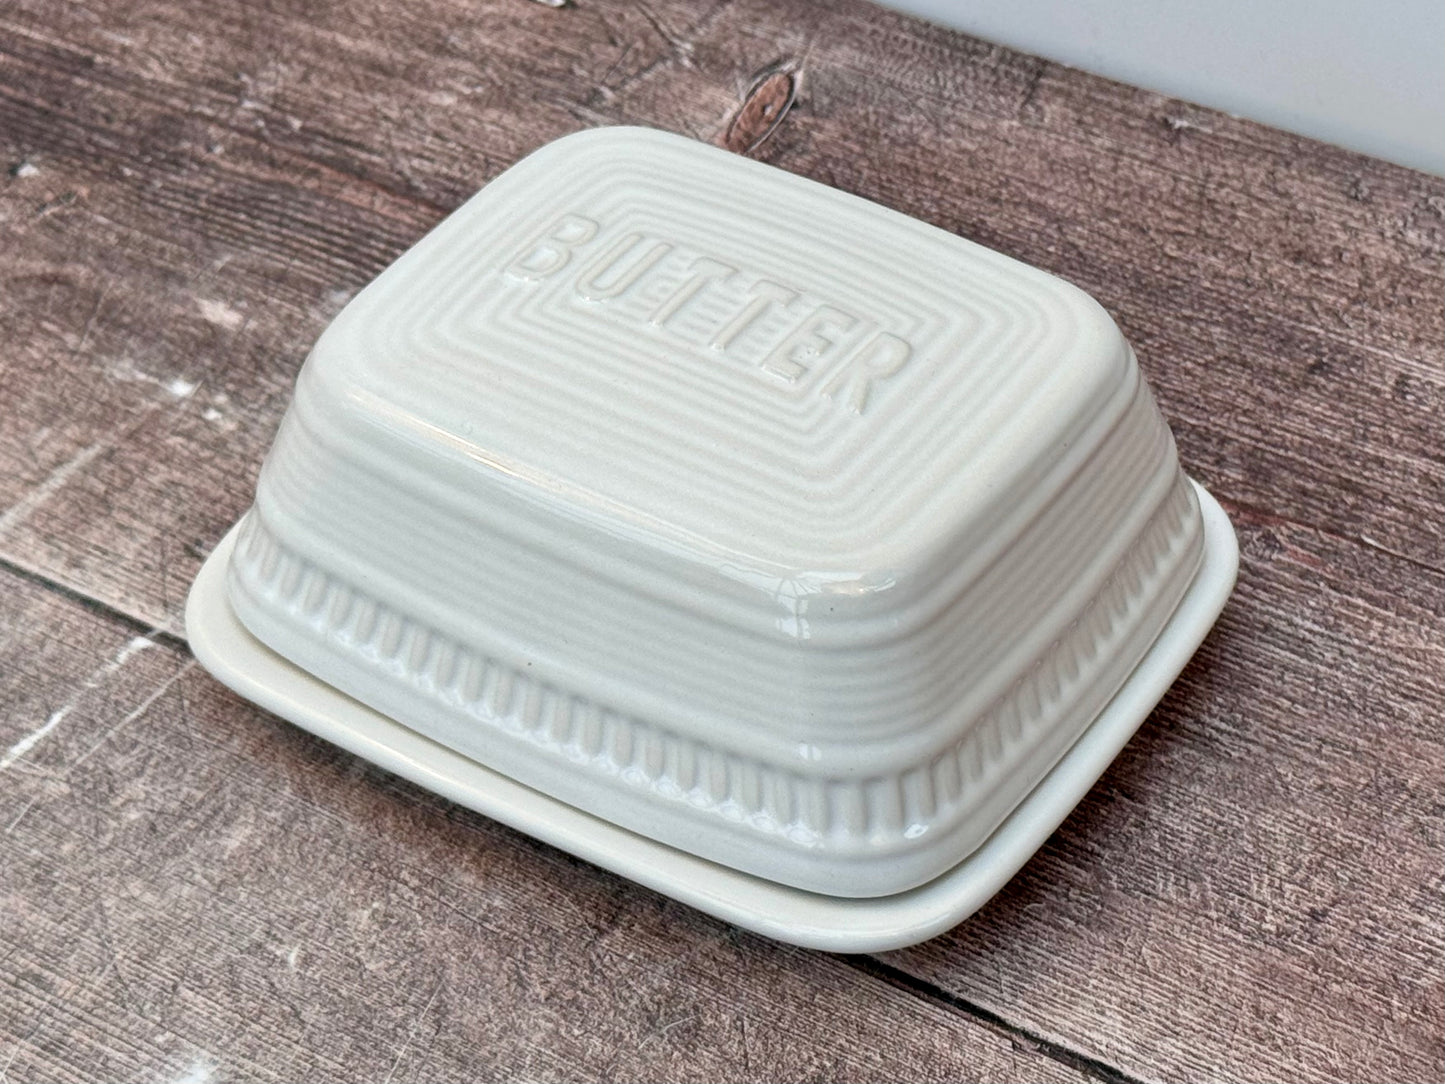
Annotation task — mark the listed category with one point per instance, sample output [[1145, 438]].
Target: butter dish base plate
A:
[[225, 647]]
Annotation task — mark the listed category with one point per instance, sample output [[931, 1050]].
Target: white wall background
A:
[[1368, 76]]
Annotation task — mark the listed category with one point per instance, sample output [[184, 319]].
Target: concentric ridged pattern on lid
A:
[[522, 505], [652, 427]]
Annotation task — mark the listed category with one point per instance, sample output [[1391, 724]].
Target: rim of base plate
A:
[[236, 658]]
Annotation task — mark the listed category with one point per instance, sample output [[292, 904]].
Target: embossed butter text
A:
[[724, 312]]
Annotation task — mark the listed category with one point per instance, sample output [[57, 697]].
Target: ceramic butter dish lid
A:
[[792, 556]]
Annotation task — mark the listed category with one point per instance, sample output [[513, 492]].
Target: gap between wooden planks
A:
[[1252, 892]]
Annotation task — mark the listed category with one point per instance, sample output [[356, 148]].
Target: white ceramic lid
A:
[[746, 514], [832, 923]]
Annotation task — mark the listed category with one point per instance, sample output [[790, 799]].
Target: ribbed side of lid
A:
[[855, 770]]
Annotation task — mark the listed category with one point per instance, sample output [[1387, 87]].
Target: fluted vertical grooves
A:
[[639, 754]]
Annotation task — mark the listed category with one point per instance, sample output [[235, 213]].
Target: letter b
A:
[[552, 251]]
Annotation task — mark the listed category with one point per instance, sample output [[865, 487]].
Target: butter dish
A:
[[791, 556]]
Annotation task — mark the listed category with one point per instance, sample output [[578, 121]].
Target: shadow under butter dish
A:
[[742, 515]]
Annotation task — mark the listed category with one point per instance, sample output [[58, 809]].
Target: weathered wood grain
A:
[[191, 886], [1254, 890]]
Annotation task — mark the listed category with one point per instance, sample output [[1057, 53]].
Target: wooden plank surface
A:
[[194, 887], [1252, 892]]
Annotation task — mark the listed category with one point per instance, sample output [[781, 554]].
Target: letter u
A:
[[615, 271]]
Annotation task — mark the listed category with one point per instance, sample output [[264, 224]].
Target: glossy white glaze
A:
[[748, 515], [834, 923]]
